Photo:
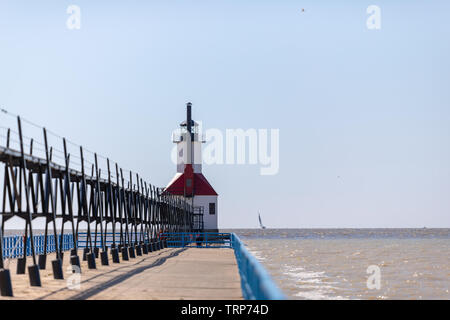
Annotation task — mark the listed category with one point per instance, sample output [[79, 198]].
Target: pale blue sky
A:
[[370, 107]]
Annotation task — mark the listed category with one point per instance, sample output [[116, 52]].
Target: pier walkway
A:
[[171, 273]]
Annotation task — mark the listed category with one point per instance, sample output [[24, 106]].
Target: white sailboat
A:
[[260, 221]]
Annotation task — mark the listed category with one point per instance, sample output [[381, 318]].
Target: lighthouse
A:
[[189, 182]]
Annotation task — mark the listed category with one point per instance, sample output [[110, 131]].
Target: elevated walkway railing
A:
[[14, 246], [110, 238], [199, 239], [256, 283]]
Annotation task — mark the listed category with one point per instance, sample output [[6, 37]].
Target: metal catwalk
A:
[[85, 200]]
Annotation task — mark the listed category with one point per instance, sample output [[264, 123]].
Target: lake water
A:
[[333, 263]]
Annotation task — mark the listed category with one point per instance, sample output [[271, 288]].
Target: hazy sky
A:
[[363, 114]]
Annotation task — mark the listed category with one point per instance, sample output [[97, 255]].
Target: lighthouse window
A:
[[188, 182], [212, 208]]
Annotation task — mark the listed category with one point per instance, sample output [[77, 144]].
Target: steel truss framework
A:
[[134, 211]]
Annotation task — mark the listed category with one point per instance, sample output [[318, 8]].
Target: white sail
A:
[[260, 221]]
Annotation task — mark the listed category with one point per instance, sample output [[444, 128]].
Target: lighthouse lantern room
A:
[[189, 182]]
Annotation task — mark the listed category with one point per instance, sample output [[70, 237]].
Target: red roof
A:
[[201, 185]]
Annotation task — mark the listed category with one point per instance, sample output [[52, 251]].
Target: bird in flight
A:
[[303, 9]]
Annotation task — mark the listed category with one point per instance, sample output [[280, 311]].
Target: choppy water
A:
[[332, 263]]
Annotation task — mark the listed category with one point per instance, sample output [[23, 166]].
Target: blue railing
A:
[[83, 240], [14, 246], [203, 239], [256, 283]]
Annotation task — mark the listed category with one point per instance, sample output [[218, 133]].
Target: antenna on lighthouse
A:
[[189, 118], [190, 133]]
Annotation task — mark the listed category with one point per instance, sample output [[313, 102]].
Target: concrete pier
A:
[[171, 273]]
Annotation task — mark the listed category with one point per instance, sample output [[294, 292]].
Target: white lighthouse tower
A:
[[189, 181]]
